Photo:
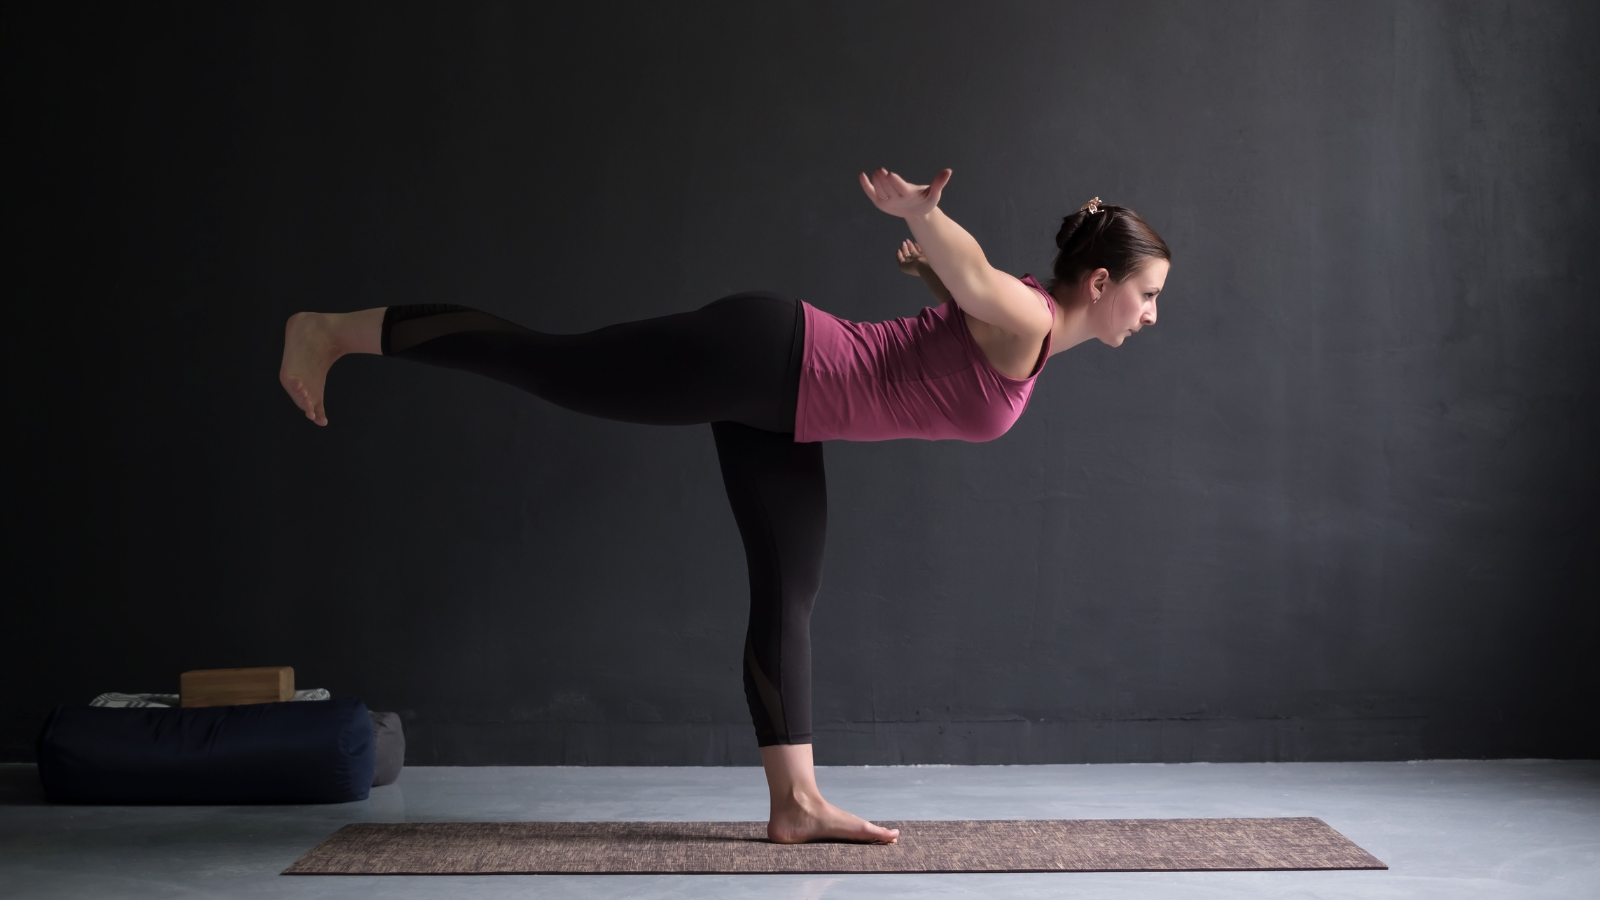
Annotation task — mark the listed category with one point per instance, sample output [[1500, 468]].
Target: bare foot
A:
[[310, 348], [815, 819]]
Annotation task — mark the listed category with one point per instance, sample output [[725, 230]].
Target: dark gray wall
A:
[[1339, 504]]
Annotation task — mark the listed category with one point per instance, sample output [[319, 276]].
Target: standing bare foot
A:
[[799, 813], [313, 342], [811, 818]]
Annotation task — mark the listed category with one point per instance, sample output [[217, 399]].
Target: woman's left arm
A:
[[912, 262], [990, 295]]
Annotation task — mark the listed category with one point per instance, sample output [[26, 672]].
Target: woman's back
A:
[[915, 377]]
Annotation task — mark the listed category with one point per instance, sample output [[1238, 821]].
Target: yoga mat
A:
[[664, 848]]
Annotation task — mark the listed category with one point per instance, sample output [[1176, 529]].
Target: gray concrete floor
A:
[[1504, 828]]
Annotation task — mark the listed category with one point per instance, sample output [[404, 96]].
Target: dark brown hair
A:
[[1114, 239]]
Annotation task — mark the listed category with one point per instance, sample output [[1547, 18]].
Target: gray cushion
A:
[[391, 746]]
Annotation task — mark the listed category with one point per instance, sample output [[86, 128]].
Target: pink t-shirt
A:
[[922, 377]]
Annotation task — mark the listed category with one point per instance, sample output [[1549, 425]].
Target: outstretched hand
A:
[[892, 194]]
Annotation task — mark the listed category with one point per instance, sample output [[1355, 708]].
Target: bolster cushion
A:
[[321, 752]]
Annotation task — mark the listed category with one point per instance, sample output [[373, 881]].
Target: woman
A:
[[774, 377]]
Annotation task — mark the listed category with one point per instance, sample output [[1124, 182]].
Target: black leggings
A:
[[734, 363]]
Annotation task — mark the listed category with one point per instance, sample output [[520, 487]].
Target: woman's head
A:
[[1111, 260]]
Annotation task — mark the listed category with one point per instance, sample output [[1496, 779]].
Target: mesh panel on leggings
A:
[[405, 333]]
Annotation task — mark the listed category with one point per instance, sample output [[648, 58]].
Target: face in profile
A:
[[1123, 309]]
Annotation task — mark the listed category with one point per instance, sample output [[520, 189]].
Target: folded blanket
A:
[[142, 700]]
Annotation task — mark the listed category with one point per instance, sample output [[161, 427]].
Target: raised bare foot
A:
[[310, 348], [815, 819]]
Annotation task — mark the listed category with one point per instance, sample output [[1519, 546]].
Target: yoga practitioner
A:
[[774, 377]]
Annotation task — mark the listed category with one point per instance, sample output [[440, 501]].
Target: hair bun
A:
[[1104, 236], [1071, 224], [1069, 227]]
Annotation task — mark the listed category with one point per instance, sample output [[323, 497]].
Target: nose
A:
[[1149, 317]]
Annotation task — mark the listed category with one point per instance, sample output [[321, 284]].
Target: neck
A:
[[1072, 325]]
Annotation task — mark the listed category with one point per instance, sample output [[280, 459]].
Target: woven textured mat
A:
[[1001, 845]]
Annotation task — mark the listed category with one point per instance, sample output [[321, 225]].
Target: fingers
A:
[[866, 187], [884, 188], [899, 185], [889, 184], [878, 190]]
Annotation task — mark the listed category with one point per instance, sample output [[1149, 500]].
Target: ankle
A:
[[338, 334], [798, 798], [357, 332], [336, 326]]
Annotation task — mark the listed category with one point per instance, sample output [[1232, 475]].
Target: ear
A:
[[1099, 280]]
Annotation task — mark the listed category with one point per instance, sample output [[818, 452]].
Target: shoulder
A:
[[1038, 288], [1032, 308]]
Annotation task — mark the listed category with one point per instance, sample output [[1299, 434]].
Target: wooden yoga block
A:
[[233, 687]]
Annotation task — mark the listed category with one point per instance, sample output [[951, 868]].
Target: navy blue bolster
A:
[[316, 751]]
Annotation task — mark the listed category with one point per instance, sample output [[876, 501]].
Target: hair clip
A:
[[1093, 206]]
